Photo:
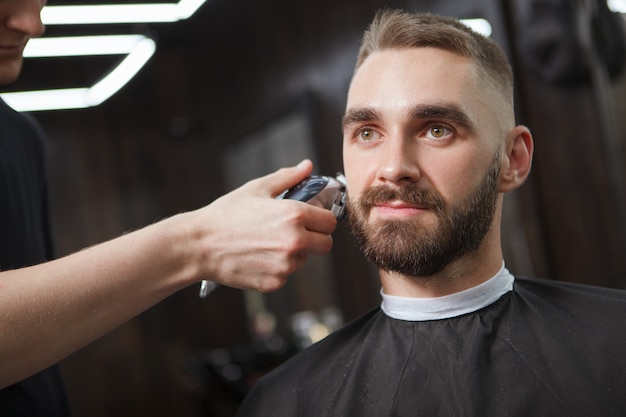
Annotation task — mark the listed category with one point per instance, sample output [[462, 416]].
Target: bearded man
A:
[[430, 148]]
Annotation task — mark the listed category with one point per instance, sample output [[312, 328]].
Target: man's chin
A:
[[9, 71]]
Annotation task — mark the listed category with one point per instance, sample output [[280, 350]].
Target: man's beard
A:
[[410, 248]]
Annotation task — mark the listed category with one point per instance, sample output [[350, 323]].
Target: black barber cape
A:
[[24, 241], [542, 349]]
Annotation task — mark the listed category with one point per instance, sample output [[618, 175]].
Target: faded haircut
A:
[[396, 29]]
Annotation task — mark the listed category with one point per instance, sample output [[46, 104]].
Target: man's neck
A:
[[459, 275]]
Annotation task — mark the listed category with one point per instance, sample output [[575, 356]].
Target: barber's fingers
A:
[[301, 214], [321, 243], [280, 180], [320, 220]]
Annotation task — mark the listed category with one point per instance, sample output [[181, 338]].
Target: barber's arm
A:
[[244, 239]]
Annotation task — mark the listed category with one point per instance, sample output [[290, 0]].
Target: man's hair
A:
[[396, 29]]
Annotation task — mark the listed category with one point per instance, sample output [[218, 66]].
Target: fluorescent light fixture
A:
[[81, 46], [481, 26], [119, 13], [138, 48]]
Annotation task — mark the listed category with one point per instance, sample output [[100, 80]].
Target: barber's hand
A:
[[255, 241]]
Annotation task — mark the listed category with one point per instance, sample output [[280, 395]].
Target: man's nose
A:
[[27, 18], [398, 162]]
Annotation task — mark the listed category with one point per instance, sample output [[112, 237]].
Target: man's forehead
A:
[[411, 76], [417, 54], [414, 65], [417, 82]]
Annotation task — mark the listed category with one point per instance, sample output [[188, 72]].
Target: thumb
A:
[[284, 178]]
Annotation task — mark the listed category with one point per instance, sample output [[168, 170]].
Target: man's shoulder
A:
[[590, 309], [339, 341], [569, 290], [314, 360]]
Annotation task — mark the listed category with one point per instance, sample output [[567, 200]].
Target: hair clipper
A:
[[321, 191]]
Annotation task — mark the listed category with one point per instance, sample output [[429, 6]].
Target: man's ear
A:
[[517, 160]]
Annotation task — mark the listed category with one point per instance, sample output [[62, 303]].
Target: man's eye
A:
[[438, 132], [366, 134]]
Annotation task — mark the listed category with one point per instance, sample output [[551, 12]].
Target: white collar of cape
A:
[[448, 306]]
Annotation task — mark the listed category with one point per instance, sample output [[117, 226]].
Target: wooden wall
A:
[[155, 149]]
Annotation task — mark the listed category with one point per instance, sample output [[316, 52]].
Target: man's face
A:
[[19, 21], [421, 156]]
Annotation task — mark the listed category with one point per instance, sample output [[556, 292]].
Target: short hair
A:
[[396, 29]]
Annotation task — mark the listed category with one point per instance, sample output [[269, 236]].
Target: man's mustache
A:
[[411, 194]]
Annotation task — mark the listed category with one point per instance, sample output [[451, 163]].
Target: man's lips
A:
[[399, 208], [12, 49]]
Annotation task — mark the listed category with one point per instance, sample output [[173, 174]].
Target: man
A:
[[49, 310], [430, 147]]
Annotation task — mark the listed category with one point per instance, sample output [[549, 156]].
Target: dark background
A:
[[157, 148]]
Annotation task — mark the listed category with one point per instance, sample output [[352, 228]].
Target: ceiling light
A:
[[139, 49], [81, 45], [119, 13]]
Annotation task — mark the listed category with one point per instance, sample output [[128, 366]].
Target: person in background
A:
[[49, 308], [430, 147]]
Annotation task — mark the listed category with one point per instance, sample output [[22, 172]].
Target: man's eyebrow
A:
[[444, 112], [359, 115]]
